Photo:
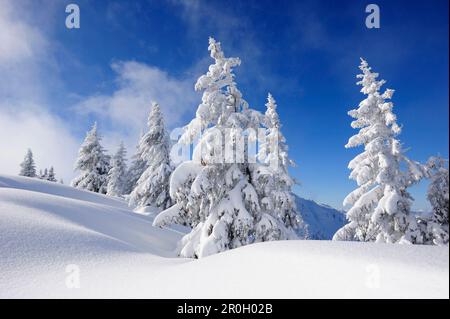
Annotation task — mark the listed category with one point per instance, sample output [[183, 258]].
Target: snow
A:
[[47, 230], [185, 171], [37, 185]]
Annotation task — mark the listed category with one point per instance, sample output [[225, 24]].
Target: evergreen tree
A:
[[45, 174], [152, 188], [436, 228], [117, 176], [28, 167], [273, 183], [380, 206], [213, 195], [51, 175], [137, 168], [93, 164]]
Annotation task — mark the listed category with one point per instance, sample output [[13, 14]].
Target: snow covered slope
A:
[[41, 186], [54, 238], [323, 221]]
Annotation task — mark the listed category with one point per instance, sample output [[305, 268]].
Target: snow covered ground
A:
[[51, 235]]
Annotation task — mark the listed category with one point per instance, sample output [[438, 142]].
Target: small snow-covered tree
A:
[[380, 206], [28, 168], [137, 168], [152, 188], [51, 175], [45, 174], [279, 218], [117, 175], [93, 164], [436, 227], [214, 195]]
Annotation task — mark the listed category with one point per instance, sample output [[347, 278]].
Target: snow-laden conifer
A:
[[436, 229], [93, 164], [152, 188], [380, 206], [214, 194], [28, 167], [117, 175], [279, 218], [51, 175], [137, 168]]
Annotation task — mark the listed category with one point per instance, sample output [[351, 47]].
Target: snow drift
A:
[[50, 232]]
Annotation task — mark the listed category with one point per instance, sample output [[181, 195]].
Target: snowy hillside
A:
[[50, 232], [323, 221]]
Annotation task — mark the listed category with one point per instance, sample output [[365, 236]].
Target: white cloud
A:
[[28, 76], [139, 84], [48, 138], [25, 121], [18, 40], [22, 49]]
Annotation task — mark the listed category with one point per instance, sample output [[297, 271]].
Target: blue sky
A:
[[305, 53]]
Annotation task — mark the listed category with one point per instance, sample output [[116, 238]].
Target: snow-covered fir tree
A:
[[380, 206], [93, 164], [137, 168], [279, 218], [45, 174], [436, 229], [51, 175], [117, 175], [214, 195], [152, 188], [28, 167]]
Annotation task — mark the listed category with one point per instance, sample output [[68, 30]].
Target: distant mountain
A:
[[322, 220]]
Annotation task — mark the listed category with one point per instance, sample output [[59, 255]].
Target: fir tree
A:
[[152, 188], [28, 167], [51, 175], [273, 183], [137, 168], [380, 206], [93, 164], [212, 195], [436, 229], [117, 176], [45, 174]]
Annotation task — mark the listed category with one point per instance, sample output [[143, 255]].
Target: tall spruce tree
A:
[[152, 188], [117, 175], [213, 194], [279, 217], [381, 205], [93, 164], [437, 228], [137, 168]]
